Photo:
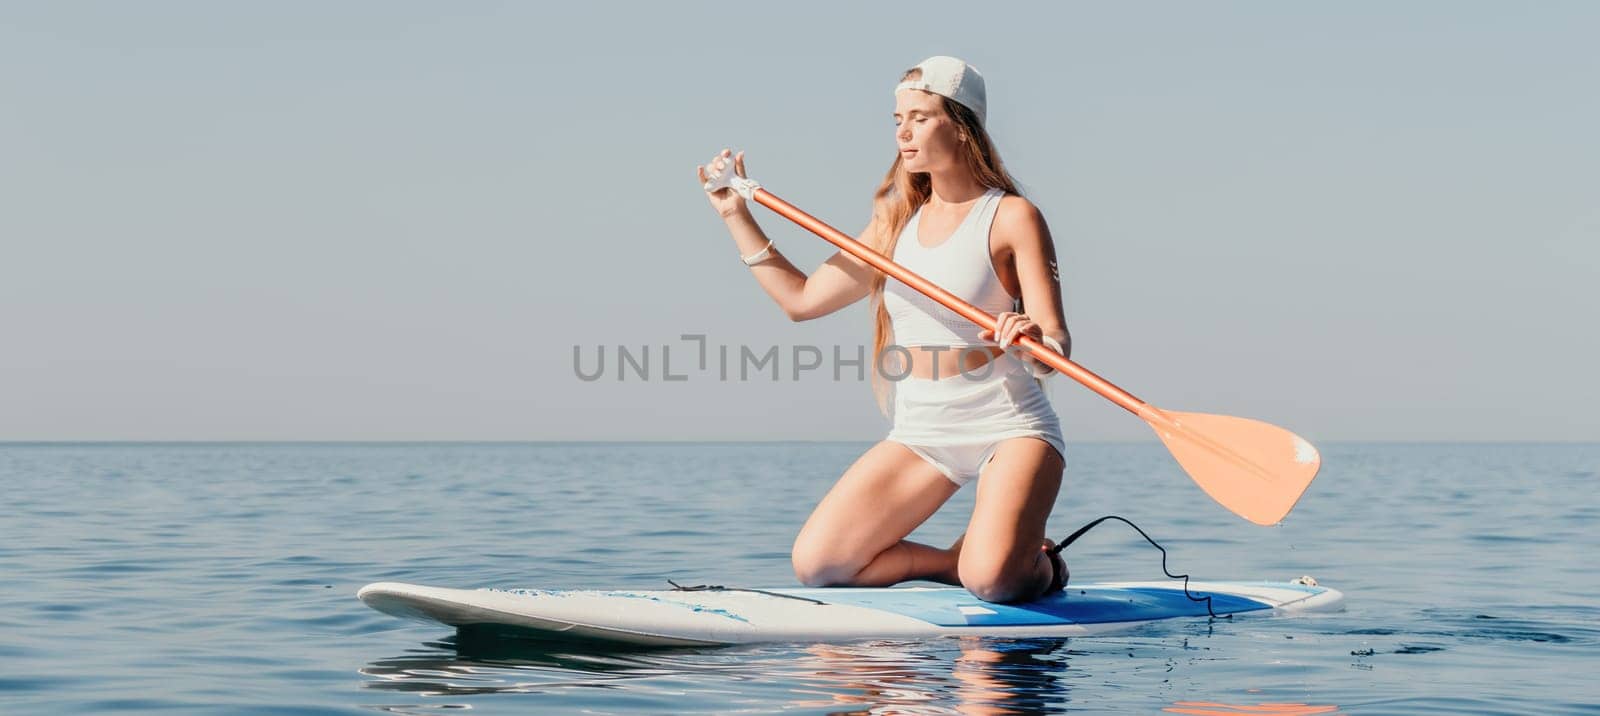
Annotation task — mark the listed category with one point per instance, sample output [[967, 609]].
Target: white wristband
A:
[[759, 256], [1040, 370]]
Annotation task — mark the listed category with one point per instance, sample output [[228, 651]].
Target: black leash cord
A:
[[719, 588], [1081, 530], [1056, 550]]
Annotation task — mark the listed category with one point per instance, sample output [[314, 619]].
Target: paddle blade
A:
[[1257, 470]]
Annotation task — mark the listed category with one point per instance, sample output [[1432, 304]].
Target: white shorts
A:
[[957, 422]]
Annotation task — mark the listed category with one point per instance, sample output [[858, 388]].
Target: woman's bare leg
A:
[[856, 535], [1000, 555]]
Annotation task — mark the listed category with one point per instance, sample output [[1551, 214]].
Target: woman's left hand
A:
[[1012, 326]]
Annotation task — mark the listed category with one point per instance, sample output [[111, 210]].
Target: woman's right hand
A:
[[726, 201]]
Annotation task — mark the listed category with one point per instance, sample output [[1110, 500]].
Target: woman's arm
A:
[[1022, 227], [838, 282]]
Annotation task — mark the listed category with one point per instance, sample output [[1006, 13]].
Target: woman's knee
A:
[[998, 579], [817, 567]]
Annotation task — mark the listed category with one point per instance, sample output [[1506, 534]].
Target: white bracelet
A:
[[1040, 370], [758, 256]]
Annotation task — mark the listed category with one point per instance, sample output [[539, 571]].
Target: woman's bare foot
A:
[[953, 575], [1058, 567]]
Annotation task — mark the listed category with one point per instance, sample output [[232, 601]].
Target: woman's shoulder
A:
[[1018, 218], [1016, 206]]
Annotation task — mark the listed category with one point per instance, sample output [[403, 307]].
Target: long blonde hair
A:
[[901, 194]]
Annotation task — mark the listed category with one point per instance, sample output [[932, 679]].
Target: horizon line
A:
[[432, 441]]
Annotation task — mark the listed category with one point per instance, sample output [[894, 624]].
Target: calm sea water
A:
[[221, 578]]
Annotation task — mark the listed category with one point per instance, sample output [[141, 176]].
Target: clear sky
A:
[[394, 221]]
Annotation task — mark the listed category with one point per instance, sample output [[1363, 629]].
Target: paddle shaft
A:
[[1040, 351]]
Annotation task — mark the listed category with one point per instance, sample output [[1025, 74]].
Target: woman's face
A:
[[926, 135]]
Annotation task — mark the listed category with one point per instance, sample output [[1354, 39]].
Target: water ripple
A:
[[218, 578]]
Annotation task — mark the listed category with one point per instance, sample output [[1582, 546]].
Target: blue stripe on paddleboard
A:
[[957, 607]]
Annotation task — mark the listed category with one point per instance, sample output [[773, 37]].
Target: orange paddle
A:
[[1255, 469]]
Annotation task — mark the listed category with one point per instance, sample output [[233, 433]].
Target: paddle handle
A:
[[1040, 351]]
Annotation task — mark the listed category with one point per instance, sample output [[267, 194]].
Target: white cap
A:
[[953, 78]]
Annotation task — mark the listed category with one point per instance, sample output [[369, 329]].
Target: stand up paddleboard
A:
[[716, 616]]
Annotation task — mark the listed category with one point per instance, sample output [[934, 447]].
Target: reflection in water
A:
[[473, 663], [1000, 677], [982, 676], [970, 675], [955, 676], [1206, 708]]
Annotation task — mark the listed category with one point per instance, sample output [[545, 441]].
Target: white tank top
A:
[[962, 266]]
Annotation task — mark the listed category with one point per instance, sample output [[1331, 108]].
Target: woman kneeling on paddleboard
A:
[[961, 404]]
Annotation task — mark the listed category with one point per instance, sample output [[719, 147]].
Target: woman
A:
[[948, 211]]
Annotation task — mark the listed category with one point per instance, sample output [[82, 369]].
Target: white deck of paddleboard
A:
[[664, 618]]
